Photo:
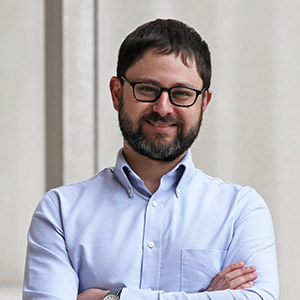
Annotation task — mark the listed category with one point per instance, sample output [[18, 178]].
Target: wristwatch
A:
[[113, 295]]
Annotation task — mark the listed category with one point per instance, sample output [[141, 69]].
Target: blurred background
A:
[[58, 125]]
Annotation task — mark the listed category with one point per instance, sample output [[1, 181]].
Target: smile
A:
[[161, 124]]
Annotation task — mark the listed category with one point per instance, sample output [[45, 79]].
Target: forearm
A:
[[136, 294], [48, 272]]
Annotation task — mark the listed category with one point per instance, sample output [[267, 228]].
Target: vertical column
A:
[[79, 97], [53, 93], [71, 104]]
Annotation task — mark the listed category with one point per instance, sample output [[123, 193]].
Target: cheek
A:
[[135, 110], [191, 118]]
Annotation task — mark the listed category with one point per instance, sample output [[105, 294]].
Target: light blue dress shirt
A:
[[110, 232]]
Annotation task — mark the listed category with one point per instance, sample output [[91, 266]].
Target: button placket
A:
[[152, 237]]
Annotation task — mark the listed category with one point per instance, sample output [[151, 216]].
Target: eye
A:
[[146, 90], [182, 94]]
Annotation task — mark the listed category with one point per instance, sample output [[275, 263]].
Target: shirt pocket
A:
[[199, 267]]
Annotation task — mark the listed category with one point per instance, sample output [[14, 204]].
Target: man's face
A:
[[160, 130]]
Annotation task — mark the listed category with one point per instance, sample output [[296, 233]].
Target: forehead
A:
[[165, 68], [187, 59]]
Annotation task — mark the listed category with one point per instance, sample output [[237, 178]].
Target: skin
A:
[[234, 277], [92, 294], [166, 70]]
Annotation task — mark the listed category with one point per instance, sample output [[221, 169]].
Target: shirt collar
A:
[[188, 171], [175, 179], [121, 176]]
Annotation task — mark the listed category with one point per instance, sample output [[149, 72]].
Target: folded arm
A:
[[50, 273], [234, 277]]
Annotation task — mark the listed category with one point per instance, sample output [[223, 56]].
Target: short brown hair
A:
[[166, 36]]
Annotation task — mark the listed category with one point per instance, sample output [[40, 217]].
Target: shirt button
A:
[[154, 203], [151, 244], [129, 191]]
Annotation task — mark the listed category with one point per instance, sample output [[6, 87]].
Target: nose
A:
[[163, 105]]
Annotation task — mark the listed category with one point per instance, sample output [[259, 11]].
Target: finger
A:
[[239, 273], [245, 286], [220, 276], [236, 278], [245, 281], [231, 268], [238, 281]]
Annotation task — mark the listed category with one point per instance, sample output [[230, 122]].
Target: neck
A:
[[149, 170]]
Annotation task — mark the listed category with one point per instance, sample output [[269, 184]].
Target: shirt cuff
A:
[[138, 294]]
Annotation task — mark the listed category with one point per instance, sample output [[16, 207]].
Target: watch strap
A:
[[115, 292]]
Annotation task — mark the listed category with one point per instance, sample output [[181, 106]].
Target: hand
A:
[[234, 277], [92, 294]]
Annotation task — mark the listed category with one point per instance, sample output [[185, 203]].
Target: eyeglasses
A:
[[150, 92]]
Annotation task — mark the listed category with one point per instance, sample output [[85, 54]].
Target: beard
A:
[[157, 149]]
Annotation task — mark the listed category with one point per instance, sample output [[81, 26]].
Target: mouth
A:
[[164, 129], [161, 124]]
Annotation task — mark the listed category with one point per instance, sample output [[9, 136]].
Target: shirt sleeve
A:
[[136, 294], [253, 242], [48, 272]]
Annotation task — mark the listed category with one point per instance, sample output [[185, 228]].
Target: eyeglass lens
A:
[[151, 92]]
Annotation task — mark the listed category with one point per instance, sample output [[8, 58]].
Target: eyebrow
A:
[[183, 84]]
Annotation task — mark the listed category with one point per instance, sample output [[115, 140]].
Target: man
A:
[[154, 226]]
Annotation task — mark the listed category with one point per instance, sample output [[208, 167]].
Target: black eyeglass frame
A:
[[134, 83]]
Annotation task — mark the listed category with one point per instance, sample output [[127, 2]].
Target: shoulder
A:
[[243, 202], [229, 191], [105, 174], [217, 183], [88, 189]]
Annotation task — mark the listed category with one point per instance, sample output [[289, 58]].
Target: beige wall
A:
[[22, 157], [250, 130]]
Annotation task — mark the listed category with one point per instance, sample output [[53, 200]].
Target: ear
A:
[[115, 87], [206, 100]]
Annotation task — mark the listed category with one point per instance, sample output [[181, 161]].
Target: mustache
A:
[[156, 117]]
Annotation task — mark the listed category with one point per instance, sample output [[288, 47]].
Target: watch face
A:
[[111, 297]]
